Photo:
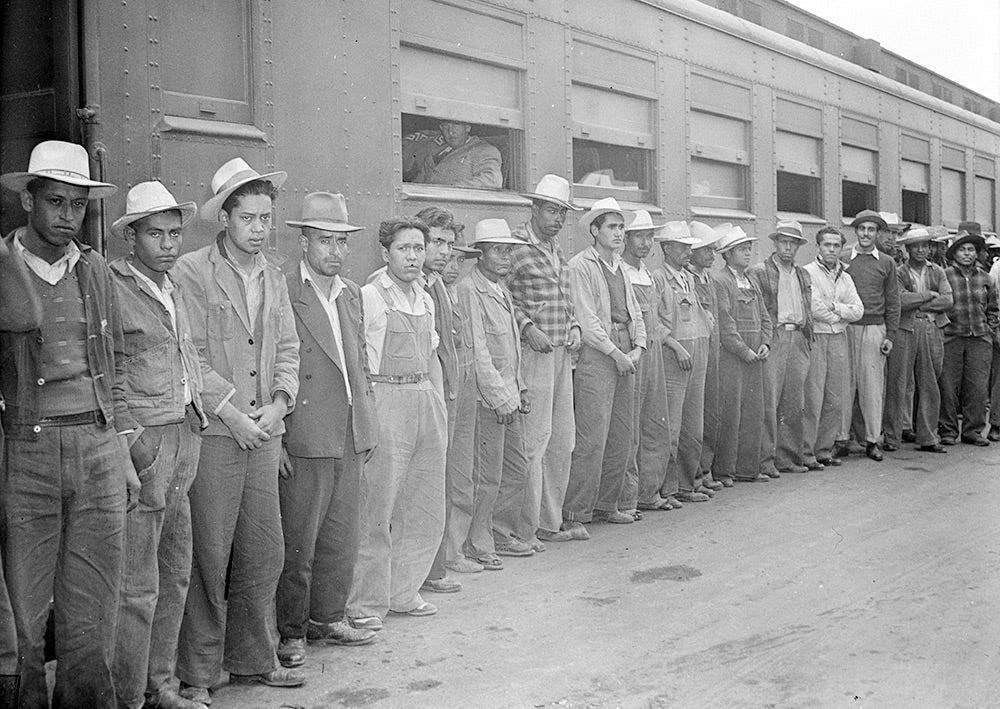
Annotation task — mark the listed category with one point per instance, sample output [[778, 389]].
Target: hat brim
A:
[[498, 240], [587, 219], [729, 247], [874, 220], [703, 243], [691, 241], [776, 234], [647, 227], [553, 200], [467, 250], [188, 211], [979, 242], [18, 182], [322, 225], [210, 210]]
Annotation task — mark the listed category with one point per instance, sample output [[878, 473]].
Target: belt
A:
[[789, 326], [400, 378], [619, 326], [73, 419], [924, 316]]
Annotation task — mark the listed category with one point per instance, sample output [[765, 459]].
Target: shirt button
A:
[[253, 402], [40, 381], [309, 376], [37, 429], [184, 380], [250, 341], [253, 372]]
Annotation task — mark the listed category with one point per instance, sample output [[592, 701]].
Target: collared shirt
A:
[[253, 281], [539, 285], [741, 278], [679, 277], [332, 314], [855, 252], [975, 309], [789, 297], [51, 273], [919, 278], [637, 276], [375, 313]]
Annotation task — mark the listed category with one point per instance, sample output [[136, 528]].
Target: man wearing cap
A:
[[69, 471], [835, 303], [500, 464], [614, 337], [651, 442], [539, 285], [163, 387], [870, 339], [969, 337], [787, 295], [327, 437], [685, 331], [916, 360], [450, 156], [243, 326]]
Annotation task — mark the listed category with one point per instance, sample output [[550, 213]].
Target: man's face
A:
[[638, 243], [248, 223], [405, 255], [740, 256], [965, 255], [324, 251], [866, 232], [547, 219], [829, 247], [676, 254], [157, 240], [611, 234], [886, 241], [496, 261], [919, 252], [703, 257], [455, 134], [438, 249], [453, 269], [56, 211], [785, 248]]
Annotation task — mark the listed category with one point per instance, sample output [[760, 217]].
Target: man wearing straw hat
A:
[[244, 329], [65, 391], [327, 438], [539, 285], [163, 384]]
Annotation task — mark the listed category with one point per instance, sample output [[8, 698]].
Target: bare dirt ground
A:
[[868, 585]]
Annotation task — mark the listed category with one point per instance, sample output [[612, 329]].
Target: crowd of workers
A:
[[212, 463]]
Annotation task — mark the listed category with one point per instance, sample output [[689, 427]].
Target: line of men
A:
[[212, 462]]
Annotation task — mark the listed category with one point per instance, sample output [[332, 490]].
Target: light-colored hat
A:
[[148, 198], [788, 227], [602, 206], [892, 221], [678, 233], [992, 242], [494, 231], [869, 215], [60, 161], [555, 189], [326, 211], [733, 238], [229, 178], [706, 235], [642, 221], [939, 234], [915, 235]]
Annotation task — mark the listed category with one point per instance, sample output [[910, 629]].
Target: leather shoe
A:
[[976, 440], [726, 482], [890, 447], [169, 699], [711, 484], [761, 478], [444, 585], [831, 462], [796, 469], [198, 695], [691, 496], [994, 434], [281, 677], [947, 440], [339, 633], [874, 452], [932, 448], [292, 652], [910, 437], [815, 465]]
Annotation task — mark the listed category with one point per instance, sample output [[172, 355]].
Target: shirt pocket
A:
[[747, 317], [401, 340], [220, 321]]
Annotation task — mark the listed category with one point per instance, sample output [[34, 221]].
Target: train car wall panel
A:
[[673, 148], [795, 77], [720, 52], [549, 143], [629, 22], [473, 27]]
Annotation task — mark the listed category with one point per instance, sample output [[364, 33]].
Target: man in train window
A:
[[450, 156]]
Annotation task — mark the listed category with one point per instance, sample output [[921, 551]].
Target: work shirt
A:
[[789, 297], [253, 280], [835, 301], [332, 314], [975, 311], [51, 273], [539, 285], [375, 312]]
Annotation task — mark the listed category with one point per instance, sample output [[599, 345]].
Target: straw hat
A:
[[642, 221], [60, 161], [706, 235], [326, 211], [229, 178], [494, 231], [148, 198], [555, 189], [733, 238], [602, 206], [678, 233]]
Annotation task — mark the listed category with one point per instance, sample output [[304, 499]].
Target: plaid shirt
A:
[[976, 312], [540, 288]]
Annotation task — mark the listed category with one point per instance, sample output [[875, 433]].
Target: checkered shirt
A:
[[540, 290], [975, 312]]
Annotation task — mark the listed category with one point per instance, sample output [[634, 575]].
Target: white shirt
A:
[[855, 252], [637, 276], [332, 314], [375, 315], [51, 273], [253, 282]]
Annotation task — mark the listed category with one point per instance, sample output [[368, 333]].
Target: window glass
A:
[[718, 184], [450, 152], [859, 186], [604, 170], [914, 177], [916, 207], [719, 161], [798, 180], [952, 197], [985, 213]]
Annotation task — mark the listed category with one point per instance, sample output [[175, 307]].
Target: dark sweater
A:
[[878, 287]]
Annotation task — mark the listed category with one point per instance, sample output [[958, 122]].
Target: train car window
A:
[[441, 151], [914, 179], [952, 197], [799, 186], [859, 186], [720, 160], [985, 206]]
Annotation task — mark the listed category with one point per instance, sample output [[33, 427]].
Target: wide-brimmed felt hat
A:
[[62, 162], [602, 206], [148, 198], [893, 222], [787, 227], [707, 235], [494, 231], [964, 237], [869, 215], [732, 239], [915, 235], [676, 232], [555, 189], [229, 178], [974, 228], [642, 221], [326, 211]]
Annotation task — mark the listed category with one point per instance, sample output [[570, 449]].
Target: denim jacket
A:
[[158, 362], [20, 354]]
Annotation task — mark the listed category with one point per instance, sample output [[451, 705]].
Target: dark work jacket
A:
[[765, 275]]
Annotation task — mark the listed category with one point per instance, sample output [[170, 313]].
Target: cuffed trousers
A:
[[964, 381], [826, 386], [785, 372], [867, 383]]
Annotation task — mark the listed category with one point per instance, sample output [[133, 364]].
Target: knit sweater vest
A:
[[870, 275]]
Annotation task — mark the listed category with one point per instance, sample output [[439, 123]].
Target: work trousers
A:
[[651, 440], [605, 411], [785, 373], [236, 528], [964, 381], [686, 401], [501, 475], [867, 383], [319, 520], [459, 471], [917, 368], [64, 508], [710, 436], [549, 433], [825, 391], [995, 388], [402, 507], [9, 677], [741, 417], [157, 569]]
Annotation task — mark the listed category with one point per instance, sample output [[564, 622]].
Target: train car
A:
[[671, 105]]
